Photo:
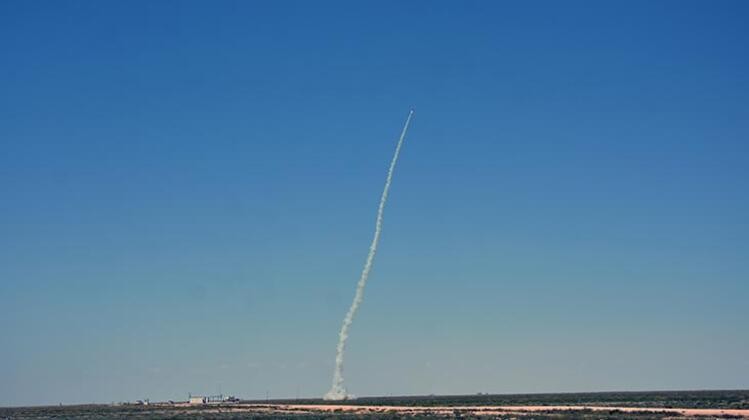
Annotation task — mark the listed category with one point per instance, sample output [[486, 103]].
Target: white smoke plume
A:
[[338, 391]]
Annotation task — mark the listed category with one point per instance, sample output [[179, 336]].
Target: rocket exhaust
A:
[[337, 390]]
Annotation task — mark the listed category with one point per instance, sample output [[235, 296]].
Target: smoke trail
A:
[[338, 391]]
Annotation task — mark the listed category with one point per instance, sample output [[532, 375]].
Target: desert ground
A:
[[491, 411], [242, 411], [611, 405]]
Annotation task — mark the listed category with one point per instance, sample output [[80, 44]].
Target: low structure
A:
[[196, 400], [210, 399]]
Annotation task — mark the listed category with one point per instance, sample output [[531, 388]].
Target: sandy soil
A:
[[485, 410]]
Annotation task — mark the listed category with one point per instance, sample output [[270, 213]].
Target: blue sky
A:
[[188, 190]]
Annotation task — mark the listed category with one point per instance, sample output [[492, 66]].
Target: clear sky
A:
[[188, 191]]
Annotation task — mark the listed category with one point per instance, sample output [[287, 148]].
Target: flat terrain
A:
[[610, 405]]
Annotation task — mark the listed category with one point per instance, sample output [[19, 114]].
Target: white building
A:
[[198, 400]]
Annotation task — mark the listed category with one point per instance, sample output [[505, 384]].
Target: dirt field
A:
[[237, 411], [611, 405], [451, 411]]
